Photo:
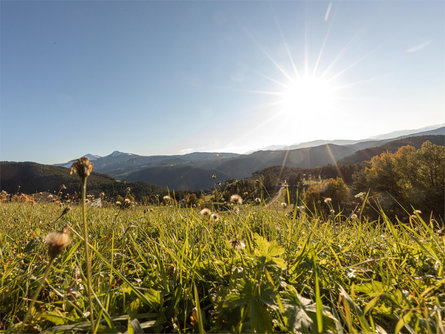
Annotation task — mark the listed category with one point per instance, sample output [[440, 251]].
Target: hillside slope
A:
[[31, 177], [392, 146]]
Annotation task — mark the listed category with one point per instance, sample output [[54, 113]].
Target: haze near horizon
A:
[[177, 77]]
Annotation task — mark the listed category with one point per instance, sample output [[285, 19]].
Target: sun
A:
[[307, 94]]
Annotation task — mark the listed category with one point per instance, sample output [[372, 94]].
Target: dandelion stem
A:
[[37, 293], [87, 253]]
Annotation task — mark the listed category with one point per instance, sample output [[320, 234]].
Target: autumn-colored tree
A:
[[335, 189], [408, 177]]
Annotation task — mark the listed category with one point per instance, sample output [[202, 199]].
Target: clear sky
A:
[[165, 77]]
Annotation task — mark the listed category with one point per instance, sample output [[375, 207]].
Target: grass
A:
[[171, 270]]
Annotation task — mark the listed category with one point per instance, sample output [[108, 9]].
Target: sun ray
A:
[[325, 40], [306, 47], [286, 46], [271, 79], [263, 92], [267, 54], [347, 68], [354, 83], [331, 155], [338, 56]]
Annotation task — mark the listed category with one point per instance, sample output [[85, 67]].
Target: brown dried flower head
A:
[[82, 167], [58, 241], [65, 211]]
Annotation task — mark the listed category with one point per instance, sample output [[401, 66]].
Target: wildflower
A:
[[236, 199], [351, 273], [332, 211], [167, 198], [283, 205], [214, 176], [118, 203], [353, 216], [63, 186], [258, 200], [82, 167], [413, 217], [57, 242], [127, 201], [102, 194], [215, 217], [417, 212], [205, 212], [236, 210], [328, 200]]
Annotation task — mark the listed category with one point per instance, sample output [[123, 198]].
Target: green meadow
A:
[[260, 269]]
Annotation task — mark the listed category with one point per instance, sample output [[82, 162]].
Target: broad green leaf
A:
[[260, 319]]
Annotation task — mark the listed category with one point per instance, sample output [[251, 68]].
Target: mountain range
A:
[[194, 171]]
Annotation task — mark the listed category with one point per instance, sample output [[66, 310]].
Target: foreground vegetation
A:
[[170, 269]]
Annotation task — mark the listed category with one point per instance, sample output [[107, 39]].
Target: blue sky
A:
[[174, 77]]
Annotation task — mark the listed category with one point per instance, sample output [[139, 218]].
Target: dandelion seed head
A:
[[236, 199], [58, 241], [205, 212]]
